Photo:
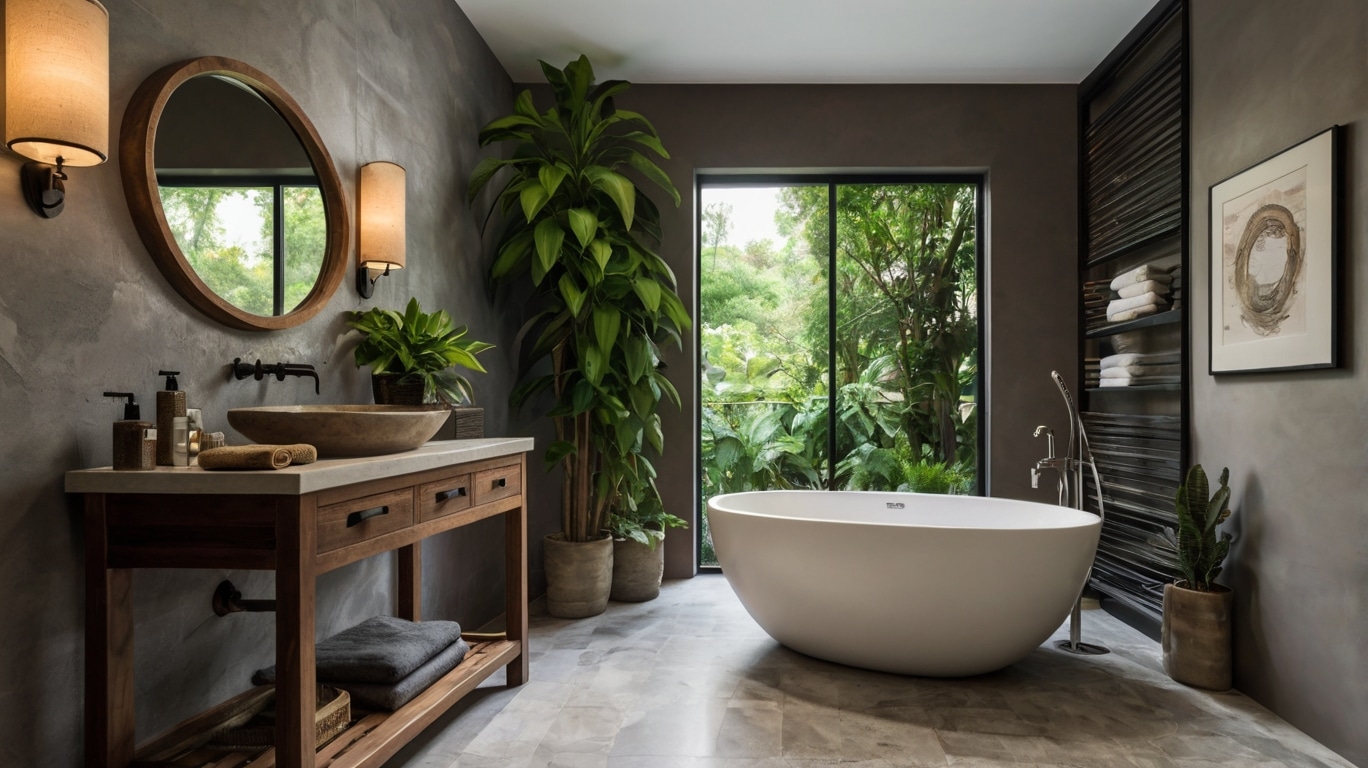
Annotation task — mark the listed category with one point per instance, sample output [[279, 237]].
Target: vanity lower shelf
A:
[[370, 740]]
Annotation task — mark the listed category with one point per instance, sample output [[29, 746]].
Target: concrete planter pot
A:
[[637, 570], [1196, 636], [579, 576]]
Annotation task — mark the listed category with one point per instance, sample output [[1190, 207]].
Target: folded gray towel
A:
[[395, 695], [382, 649]]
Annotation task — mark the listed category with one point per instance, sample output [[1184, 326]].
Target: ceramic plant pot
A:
[[396, 389], [1196, 636], [579, 576], [637, 570]]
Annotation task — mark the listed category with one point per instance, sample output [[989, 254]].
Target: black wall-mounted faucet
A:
[[258, 371]]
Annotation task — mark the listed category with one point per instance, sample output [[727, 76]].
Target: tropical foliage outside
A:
[[906, 343], [226, 235]]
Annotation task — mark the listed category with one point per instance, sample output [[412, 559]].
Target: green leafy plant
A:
[[420, 344], [602, 300], [1200, 552], [645, 524]]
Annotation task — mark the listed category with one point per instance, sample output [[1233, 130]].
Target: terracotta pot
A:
[[396, 389], [1196, 636], [579, 576], [637, 570]]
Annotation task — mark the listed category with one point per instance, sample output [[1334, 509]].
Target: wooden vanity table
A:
[[299, 522]]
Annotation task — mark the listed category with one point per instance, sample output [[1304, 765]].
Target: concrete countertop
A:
[[294, 480]]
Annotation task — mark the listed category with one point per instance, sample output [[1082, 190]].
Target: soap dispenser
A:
[[132, 449], [170, 404]]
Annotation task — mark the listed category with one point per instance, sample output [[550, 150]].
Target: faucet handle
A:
[[1035, 477]]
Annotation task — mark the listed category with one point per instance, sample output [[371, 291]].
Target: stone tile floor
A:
[[689, 680]]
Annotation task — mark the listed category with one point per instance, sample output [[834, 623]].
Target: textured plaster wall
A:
[[83, 309], [1022, 137], [1266, 75]]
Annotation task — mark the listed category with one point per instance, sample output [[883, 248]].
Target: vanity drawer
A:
[[498, 483], [444, 497], [356, 520]]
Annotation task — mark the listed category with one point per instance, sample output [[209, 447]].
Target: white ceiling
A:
[[809, 41]]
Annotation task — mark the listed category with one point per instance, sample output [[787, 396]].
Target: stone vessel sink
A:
[[341, 430]]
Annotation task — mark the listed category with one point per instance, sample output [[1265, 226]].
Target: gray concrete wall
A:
[[1022, 137], [1266, 75], [83, 309]]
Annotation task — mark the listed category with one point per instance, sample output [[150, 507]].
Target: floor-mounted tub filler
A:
[[908, 583]]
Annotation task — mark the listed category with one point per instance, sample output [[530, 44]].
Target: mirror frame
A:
[[137, 141]]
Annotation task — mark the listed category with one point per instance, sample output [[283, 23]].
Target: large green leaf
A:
[[551, 177], [534, 198], [618, 188], [606, 323], [648, 291], [549, 237], [653, 172], [573, 296], [584, 224], [602, 253], [593, 363]]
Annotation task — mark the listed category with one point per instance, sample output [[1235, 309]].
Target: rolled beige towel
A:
[[257, 456]]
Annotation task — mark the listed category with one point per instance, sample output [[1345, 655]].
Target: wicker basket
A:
[[254, 727]]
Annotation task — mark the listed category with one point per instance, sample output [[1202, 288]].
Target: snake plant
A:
[[1200, 552]]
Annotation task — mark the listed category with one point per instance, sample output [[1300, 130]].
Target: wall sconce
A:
[[382, 224], [56, 93]]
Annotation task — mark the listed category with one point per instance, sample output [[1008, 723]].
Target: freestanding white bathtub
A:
[[917, 584]]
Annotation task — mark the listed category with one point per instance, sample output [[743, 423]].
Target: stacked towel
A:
[[1142, 291], [1136, 369], [1096, 295], [383, 662]]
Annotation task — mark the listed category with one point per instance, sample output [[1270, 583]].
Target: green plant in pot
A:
[[638, 530], [580, 239], [412, 355], [1196, 630]]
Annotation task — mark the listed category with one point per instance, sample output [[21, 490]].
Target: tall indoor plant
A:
[[581, 237], [1196, 629], [413, 355]]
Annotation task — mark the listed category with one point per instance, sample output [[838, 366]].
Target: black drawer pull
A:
[[452, 494], [356, 518], [501, 483]]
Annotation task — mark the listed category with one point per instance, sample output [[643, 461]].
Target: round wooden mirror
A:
[[234, 194]]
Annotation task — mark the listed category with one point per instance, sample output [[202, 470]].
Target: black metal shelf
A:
[[1162, 318], [1139, 388], [1133, 204]]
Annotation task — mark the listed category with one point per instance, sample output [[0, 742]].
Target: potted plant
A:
[[1196, 629], [412, 356], [580, 237], [638, 555]]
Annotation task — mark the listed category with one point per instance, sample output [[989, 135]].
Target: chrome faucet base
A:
[[1082, 649]]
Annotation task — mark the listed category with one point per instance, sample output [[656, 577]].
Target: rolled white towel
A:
[[1144, 299], [1139, 289], [1133, 358], [1140, 274], [1132, 314], [1134, 371]]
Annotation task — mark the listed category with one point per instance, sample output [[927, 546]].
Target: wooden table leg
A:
[[109, 726], [295, 680], [515, 585], [411, 581]]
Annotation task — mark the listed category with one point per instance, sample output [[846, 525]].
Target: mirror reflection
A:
[[240, 195]]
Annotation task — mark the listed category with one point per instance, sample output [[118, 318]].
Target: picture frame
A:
[[1274, 258]]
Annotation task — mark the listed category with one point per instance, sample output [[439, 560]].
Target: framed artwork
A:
[[1274, 262]]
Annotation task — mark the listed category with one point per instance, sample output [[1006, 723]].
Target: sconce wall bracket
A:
[[43, 188], [365, 283]]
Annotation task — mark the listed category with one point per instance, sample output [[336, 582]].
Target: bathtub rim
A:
[[1063, 518]]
